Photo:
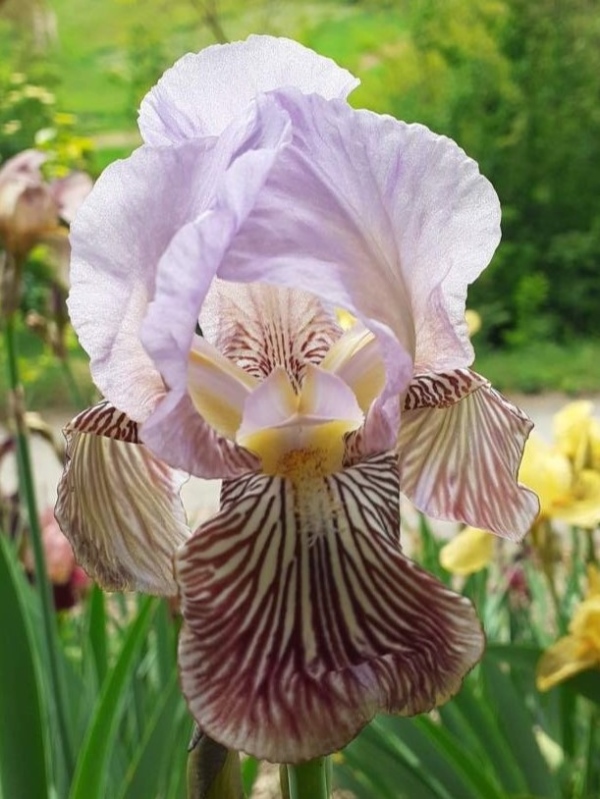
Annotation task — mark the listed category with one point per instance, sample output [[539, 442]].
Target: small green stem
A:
[[74, 391], [28, 492], [309, 780]]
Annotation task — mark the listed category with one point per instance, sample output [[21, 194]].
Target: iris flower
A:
[[568, 488], [30, 208], [580, 650], [468, 552], [31, 212], [207, 272]]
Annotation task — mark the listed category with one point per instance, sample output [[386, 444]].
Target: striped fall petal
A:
[[119, 505], [303, 618], [460, 445]]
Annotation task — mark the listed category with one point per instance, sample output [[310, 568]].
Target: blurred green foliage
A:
[[516, 84]]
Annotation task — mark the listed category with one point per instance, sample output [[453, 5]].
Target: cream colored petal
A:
[[468, 552], [119, 505], [356, 359], [218, 388]]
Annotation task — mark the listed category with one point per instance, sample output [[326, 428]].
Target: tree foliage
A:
[[515, 82]]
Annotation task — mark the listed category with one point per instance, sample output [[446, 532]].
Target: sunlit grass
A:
[[544, 366]]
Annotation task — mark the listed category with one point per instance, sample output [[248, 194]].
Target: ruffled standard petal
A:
[[118, 505], [459, 448], [304, 619], [136, 218], [113, 269], [203, 92], [386, 220]]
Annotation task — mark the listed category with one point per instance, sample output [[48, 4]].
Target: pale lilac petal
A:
[[189, 263], [113, 266], [379, 433], [460, 461], [384, 219], [274, 403], [139, 210], [261, 327], [202, 93], [186, 441], [70, 192], [303, 618], [118, 505]]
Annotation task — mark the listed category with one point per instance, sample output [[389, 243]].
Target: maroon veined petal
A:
[[460, 446], [119, 505], [303, 618], [260, 327]]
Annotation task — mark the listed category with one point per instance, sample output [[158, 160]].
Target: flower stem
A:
[[27, 491], [74, 391], [309, 780]]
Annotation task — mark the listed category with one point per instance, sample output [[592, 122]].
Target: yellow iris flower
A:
[[577, 434], [468, 552], [580, 650], [566, 475]]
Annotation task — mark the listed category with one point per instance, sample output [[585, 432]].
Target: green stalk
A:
[[309, 780], [74, 391], [27, 491]]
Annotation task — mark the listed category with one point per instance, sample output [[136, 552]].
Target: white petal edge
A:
[[203, 92]]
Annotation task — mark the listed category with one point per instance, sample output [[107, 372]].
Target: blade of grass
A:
[[23, 745], [27, 494], [145, 770], [398, 741], [96, 636], [485, 736], [469, 768], [91, 774], [517, 725]]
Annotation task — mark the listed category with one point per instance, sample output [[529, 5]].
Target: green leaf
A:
[[23, 745], [91, 774], [521, 655], [484, 736], [468, 767], [249, 774], [147, 765], [516, 724], [587, 683], [96, 633], [378, 764]]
